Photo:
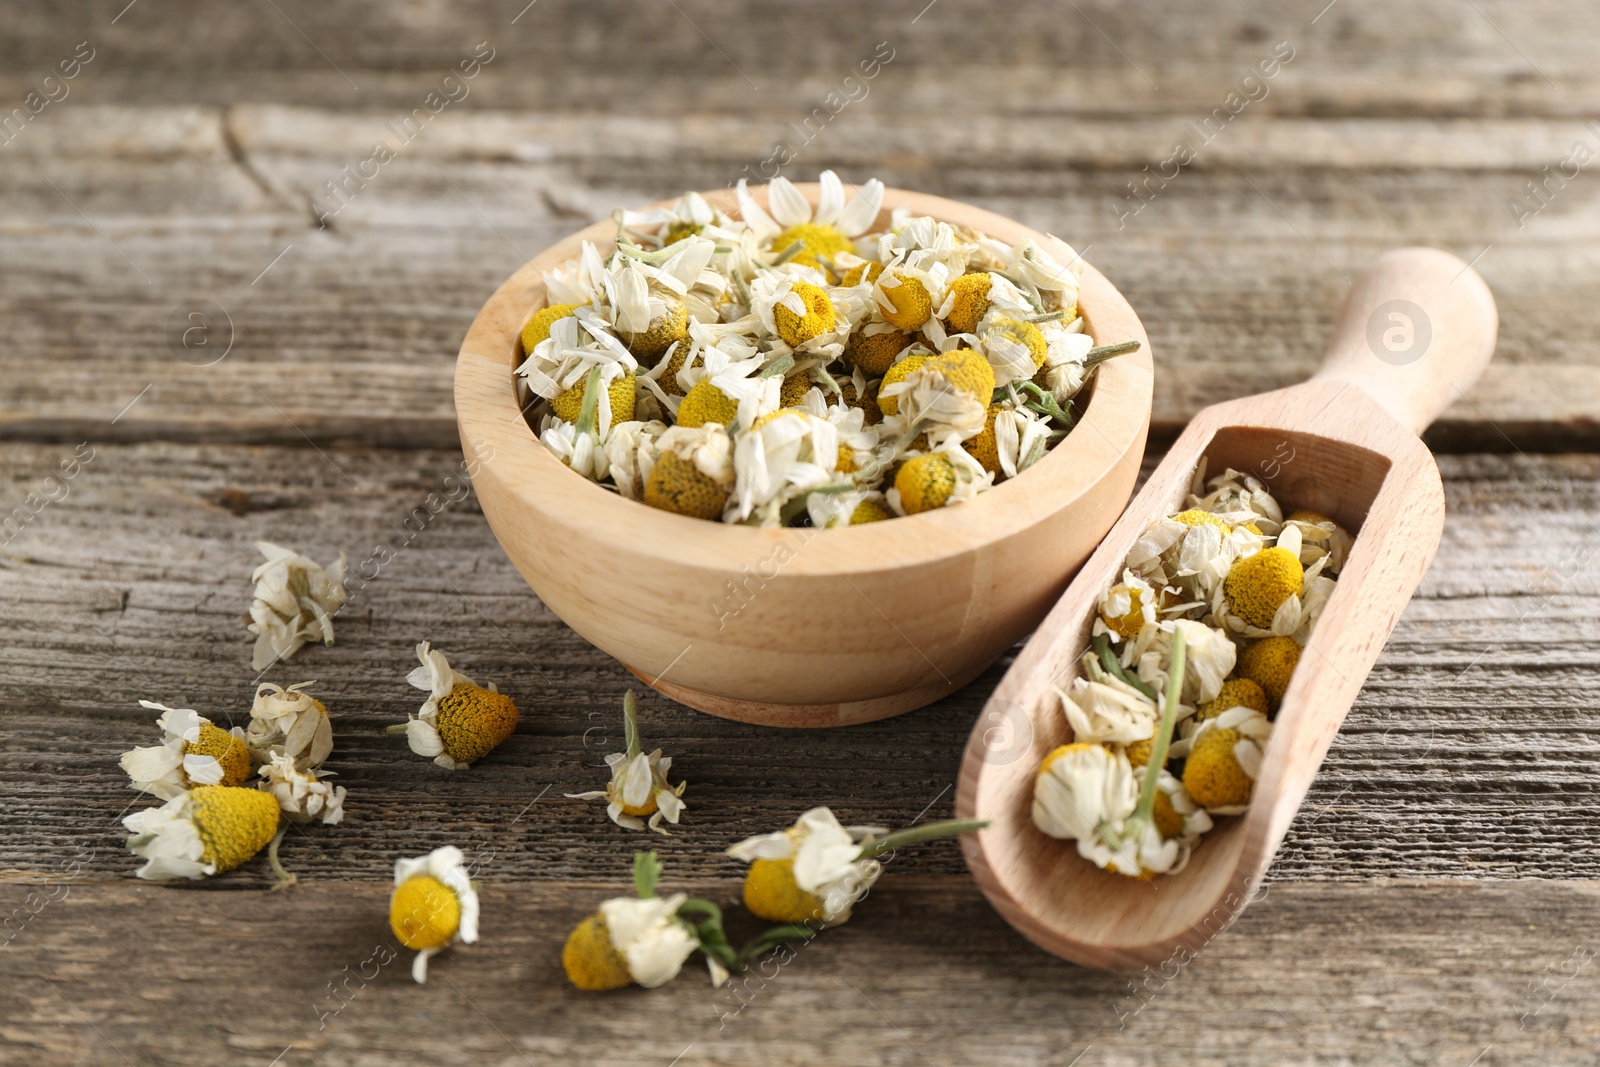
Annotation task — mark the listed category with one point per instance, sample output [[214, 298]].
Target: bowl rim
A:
[[1110, 432]]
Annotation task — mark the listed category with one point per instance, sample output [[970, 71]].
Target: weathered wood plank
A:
[[1317, 973], [1359, 57], [1471, 751], [369, 314]]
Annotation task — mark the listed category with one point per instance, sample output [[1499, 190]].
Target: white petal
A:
[[831, 201], [789, 206], [636, 781], [419, 966], [202, 770], [752, 214], [423, 739], [861, 214]]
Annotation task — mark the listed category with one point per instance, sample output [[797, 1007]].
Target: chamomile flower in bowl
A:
[[841, 440]]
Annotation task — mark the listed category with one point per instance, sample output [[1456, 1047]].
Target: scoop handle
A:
[[1414, 333]]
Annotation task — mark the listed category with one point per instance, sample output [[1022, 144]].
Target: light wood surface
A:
[[784, 627], [193, 145], [1343, 443]]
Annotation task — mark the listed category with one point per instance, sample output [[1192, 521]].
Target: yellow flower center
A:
[[538, 327], [912, 304], [925, 482], [473, 720], [234, 823], [706, 403], [677, 231], [898, 373], [1269, 663], [1212, 774], [622, 391], [671, 325], [1130, 624], [819, 318], [1026, 334], [1197, 517], [228, 750], [971, 303], [983, 447], [875, 353], [591, 961], [424, 913], [1235, 693], [969, 371], [1059, 751], [819, 241], [1165, 816], [870, 511], [868, 271], [793, 391], [1313, 517], [1257, 585], [677, 485], [771, 893], [1138, 753]]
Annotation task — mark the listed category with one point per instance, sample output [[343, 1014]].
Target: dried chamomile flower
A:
[[1104, 708], [303, 795], [782, 457], [433, 906], [631, 452], [848, 508], [638, 940], [289, 722], [1127, 607], [817, 870], [693, 472], [638, 786], [1209, 659], [204, 831], [1079, 788], [824, 232], [1270, 663], [947, 475], [461, 721], [295, 601], [1222, 760], [1260, 584], [193, 752], [1320, 536]]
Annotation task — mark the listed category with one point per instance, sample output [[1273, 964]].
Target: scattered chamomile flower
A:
[[193, 752], [638, 940], [304, 796], [289, 722], [461, 721], [638, 786], [295, 601], [817, 870], [206, 830], [433, 906]]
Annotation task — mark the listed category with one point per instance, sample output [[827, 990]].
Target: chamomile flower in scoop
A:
[[461, 721], [193, 752], [289, 722], [638, 788], [433, 906], [204, 831], [817, 870], [638, 940], [295, 601], [1222, 760]]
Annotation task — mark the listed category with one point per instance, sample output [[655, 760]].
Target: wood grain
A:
[[1316, 973], [1472, 750]]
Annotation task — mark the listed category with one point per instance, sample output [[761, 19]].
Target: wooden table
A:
[[1436, 899]]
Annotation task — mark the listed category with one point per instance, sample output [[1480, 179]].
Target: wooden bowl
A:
[[801, 627]]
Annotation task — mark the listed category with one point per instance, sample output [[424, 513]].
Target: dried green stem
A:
[[1163, 736], [1113, 667], [917, 834]]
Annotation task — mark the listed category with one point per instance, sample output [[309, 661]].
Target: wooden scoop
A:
[[1413, 335]]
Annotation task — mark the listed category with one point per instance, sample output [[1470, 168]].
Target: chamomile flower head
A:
[[1209, 659], [631, 452], [537, 329], [289, 722], [783, 456], [433, 906], [826, 230], [850, 508], [303, 795], [1235, 693], [639, 788], [1222, 760], [295, 601], [638, 940], [1127, 607], [693, 472], [947, 475], [875, 346], [461, 721], [1270, 663], [906, 297], [1102, 708], [1015, 347], [203, 831], [813, 871], [794, 306], [1079, 788], [1258, 585], [192, 752]]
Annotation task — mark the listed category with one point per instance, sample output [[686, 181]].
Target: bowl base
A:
[[808, 716]]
